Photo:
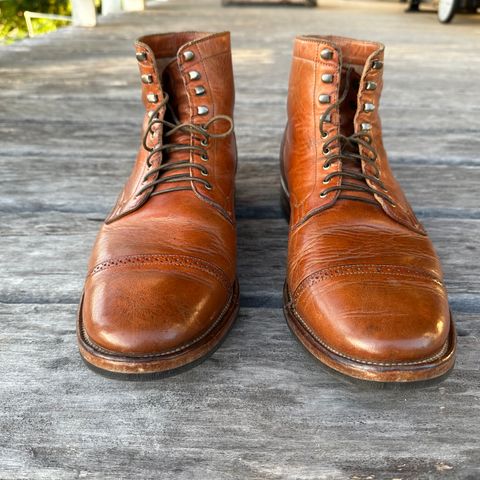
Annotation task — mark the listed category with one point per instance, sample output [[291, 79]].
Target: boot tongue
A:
[[178, 104], [172, 81], [177, 112], [348, 109]]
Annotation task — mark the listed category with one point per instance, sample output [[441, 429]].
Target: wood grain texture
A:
[[260, 407]]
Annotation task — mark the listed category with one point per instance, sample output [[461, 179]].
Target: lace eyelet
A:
[[204, 158], [326, 181], [204, 172], [323, 195], [324, 134], [208, 186], [326, 166], [204, 143], [326, 151]]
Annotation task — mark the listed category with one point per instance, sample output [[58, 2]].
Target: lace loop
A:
[[197, 132]]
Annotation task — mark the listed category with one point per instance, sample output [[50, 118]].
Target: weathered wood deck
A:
[[260, 408]]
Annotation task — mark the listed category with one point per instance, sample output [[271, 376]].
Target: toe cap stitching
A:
[[342, 270], [177, 260]]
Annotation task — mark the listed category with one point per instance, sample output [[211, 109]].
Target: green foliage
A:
[[12, 22]]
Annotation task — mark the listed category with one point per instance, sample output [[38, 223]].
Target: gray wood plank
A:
[[48, 267], [260, 407], [73, 182]]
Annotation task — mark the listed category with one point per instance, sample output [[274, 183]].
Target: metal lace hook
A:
[[153, 120]]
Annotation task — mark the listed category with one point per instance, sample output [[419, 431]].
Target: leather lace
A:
[[349, 149], [198, 132]]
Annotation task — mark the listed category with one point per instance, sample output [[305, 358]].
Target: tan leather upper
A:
[[362, 274], [163, 265], [212, 61]]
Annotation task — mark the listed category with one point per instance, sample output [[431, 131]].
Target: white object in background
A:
[[111, 6], [29, 15], [83, 13], [133, 5], [446, 10]]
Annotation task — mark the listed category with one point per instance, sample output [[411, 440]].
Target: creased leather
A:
[[163, 267], [364, 279]]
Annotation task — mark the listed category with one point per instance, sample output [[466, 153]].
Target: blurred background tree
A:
[[12, 22]]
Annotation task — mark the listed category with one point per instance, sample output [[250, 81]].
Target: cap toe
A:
[[377, 317], [151, 310]]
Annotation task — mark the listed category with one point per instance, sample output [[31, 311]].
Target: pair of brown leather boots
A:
[[364, 291]]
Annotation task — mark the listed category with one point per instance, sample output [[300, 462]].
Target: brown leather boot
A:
[[161, 291], [364, 290]]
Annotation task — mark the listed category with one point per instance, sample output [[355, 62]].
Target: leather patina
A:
[[364, 291], [161, 290]]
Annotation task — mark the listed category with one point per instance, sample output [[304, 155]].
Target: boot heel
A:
[[284, 204], [284, 196]]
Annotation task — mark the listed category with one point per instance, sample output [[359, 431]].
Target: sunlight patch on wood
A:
[[249, 56]]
